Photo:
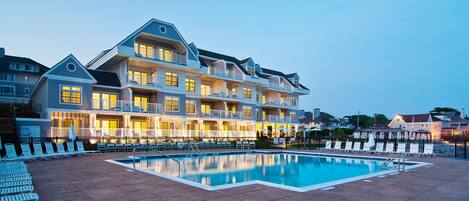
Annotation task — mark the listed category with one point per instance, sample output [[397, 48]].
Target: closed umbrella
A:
[[371, 140], [72, 135]]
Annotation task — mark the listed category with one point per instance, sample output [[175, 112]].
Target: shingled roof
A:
[[7, 59], [415, 117], [105, 78]]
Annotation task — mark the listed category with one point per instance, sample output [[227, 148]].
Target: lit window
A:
[[205, 108], [171, 79], [190, 106], [263, 99], [293, 115], [171, 104], [190, 85], [165, 54], [138, 77], [247, 111], [70, 94], [205, 90], [141, 103], [251, 71], [247, 93]]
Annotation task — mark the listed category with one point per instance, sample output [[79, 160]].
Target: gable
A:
[[153, 27], [61, 71], [251, 63]]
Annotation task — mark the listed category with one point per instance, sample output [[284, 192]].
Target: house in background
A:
[[18, 75]]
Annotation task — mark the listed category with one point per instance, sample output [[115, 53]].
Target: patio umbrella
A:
[[72, 135], [371, 140]]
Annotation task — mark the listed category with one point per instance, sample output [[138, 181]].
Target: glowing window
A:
[[171, 79], [171, 104], [190, 85], [70, 94], [190, 106]]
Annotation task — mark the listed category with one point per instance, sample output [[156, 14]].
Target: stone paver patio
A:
[[92, 178]]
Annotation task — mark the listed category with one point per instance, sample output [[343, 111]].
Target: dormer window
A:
[[251, 71]]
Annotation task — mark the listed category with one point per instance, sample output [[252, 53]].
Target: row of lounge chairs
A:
[[16, 182], [381, 148], [27, 154], [111, 147]]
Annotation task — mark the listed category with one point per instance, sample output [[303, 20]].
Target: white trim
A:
[[70, 56], [74, 67], [71, 79], [275, 185], [71, 91]]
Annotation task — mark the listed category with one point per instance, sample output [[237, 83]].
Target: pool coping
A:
[[323, 185]]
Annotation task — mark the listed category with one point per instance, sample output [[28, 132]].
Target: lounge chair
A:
[[61, 150], [15, 183], [20, 197], [16, 190], [428, 150], [101, 147], [389, 148], [414, 149], [348, 146], [239, 145], [366, 147], [357, 146], [252, 145], [328, 146], [12, 179], [26, 152], [245, 145], [71, 148], [11, 152], [38, 152], [25, 173], [337, 146], [379, 148], [401, 148], [50, 150]]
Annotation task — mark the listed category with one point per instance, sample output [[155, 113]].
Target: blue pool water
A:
[[288, 169]]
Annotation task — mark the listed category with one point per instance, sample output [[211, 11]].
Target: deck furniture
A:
[[414, 149], [379, 148], [428, 150], [357, 146], [38, 152], [401, 148], [26, 152], [337, 145], [20, 197], [348, 146]]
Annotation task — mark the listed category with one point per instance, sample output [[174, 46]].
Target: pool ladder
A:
[[194, 147], [395, 156]]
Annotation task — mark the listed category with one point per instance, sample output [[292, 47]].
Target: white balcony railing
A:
[[172, 57], [278, 118], [227, 74], [123, 133], [127, 106], [278, 87], [278, 104]]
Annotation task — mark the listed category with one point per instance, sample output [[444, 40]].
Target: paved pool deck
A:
[[92, 178]]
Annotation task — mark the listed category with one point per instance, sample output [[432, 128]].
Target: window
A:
[[263, 99], [171, 104], [190, 106], [263, 115], [142, 50], [107, 127], [71, 67], [293, 101], [171, 79], [139, 77], [7, 90], [282, 99], [282, 114], [70, 94], [162, 29], [205, 108], [141, 103], [190, 85], [247, 93], [205, 90], [251, 71], [26, 91], [165, 54], [247, 110], [7, 77], [104, 101], [293, 115], [257, 96]]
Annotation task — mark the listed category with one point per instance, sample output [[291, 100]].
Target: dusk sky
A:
[[369, 56]]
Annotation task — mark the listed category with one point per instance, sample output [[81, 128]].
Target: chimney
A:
[[2, 52]]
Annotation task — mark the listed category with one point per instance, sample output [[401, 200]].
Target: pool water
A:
[[285, 169]]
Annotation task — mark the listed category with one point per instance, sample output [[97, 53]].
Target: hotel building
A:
[[154, 85]]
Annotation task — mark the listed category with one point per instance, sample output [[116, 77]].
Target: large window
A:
[[247, 111], [293, 116], [107, 127], [205, 108], [190, 106], [190, 85], [7, 77], [141, 103], [7, 90], [293, 101], [139, 77], [205, 90], [70, 94], [171, 104], [146, 51], [165, 54], [171, 79], [247, 93], [104, 101], [153, 52]]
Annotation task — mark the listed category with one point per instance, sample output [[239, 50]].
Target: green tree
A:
[[442, 110], [365, 121], [380, 119]]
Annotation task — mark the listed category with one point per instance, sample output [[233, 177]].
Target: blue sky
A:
[[369, 56]]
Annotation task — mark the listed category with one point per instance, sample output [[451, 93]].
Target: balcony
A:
[[277, 87], [222, 95], [222, 114], [224, 75], [278, 119], [147, 84], [127, 106], [147, 134], [282, 104], [159, 53]]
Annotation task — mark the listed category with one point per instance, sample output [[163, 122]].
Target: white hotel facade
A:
[[154, 85]]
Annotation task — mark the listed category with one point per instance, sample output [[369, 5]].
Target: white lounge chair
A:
[[50, 150], [252, 145], [337, 145], [348, 146], [61, 150], [401, 148], [357, 146], [12, 179], [20, 197], [16, 190], [366, 147], [245, 145], [414, 149], [38, 152], [389, 148], [71, 148], [26, 152], [428, 150], [15, 183], [11, 152], [328, 146], [379, 148]]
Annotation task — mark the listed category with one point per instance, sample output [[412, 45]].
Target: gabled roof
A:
[[105, 78], [278, 73], [7, 59], [415, 117], [99, 56], [223, 57]]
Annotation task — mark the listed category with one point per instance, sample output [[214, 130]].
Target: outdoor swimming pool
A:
[[289, 170]]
